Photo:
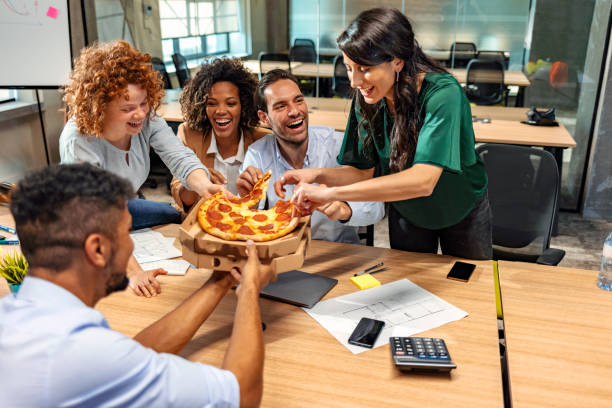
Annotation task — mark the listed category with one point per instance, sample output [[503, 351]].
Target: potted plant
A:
[[13, 267]]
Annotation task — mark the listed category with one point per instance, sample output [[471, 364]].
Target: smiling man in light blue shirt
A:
[[295, 145], [57, 350]]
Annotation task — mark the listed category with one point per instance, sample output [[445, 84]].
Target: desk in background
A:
[[558, 336]]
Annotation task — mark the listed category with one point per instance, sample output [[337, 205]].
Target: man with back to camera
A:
[[295, 145], [74, 227]]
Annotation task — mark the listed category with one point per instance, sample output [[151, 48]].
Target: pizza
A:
[[234, 220]]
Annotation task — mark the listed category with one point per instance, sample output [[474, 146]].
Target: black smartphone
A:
[[366, 332], [461, 271]]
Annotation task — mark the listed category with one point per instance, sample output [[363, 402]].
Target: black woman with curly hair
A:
[[220, 122], [412, 119]]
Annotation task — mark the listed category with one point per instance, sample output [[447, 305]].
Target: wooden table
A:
[[305, 366], [558, 334], [325, 70]]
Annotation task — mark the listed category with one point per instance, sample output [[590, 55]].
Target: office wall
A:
[[490, 24]]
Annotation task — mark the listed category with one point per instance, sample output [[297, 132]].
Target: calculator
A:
[[420, 353]]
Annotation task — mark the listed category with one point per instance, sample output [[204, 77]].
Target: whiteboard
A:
[[34, 43]]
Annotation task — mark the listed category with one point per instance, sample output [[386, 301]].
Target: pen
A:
[[8, 242], [369, 269], [8, 229], [379, 270]]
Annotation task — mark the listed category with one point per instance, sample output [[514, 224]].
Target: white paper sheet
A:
[[172, 266], [152, 246], [405, 308]]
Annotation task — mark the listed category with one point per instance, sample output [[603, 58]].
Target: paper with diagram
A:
[[405, 308]]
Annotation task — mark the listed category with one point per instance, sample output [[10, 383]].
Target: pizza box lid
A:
[[193, 237], [227, 262]]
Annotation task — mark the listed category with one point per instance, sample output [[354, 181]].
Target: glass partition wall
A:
[[557, 45]]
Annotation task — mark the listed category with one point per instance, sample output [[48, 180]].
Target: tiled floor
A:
[[582, 239]]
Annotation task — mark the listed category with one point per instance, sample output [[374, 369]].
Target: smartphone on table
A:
[[366, 332], [461, 271]]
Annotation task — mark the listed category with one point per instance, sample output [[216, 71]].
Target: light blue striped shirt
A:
[[57, 352], [323, 147]]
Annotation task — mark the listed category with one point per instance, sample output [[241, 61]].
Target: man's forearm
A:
[[174, 330], [247, 366]]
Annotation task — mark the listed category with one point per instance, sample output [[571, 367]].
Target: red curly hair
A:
[[101, 73]]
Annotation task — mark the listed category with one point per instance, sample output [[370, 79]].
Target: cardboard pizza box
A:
[[226, 262], [207, 251]]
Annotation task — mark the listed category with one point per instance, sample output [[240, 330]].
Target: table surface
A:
[[326, 70], [305, 365], [505, 126], [558, 334]]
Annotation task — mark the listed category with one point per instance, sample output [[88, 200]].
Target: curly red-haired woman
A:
[[112, 97]]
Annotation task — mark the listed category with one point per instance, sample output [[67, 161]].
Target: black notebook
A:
[[298, 288]]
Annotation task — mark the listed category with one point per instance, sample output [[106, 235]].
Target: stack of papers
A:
[[153, 250]]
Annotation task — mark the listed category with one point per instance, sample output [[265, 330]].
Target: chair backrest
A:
[[493, 56], [270, 60], [160, 67], [523, 193], [341, 86], [461, 53], [182, 71], [303, 53], [304, 41], [485, 82]]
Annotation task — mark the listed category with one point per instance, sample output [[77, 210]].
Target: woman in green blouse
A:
[[412, 120]]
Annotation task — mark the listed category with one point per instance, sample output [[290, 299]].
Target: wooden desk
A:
[[559, 336], [305, 365], [325, 70]]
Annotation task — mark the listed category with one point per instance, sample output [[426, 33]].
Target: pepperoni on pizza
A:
[[232, 219]]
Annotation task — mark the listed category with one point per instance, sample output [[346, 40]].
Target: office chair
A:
[[182, 71], [341, 86], [305, 53], [523, 193], [304, 41], [281, 61], [159, 66], [461, 53], [493, 56], [485, 82]]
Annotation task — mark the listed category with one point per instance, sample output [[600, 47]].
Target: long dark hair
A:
[[377, 36]]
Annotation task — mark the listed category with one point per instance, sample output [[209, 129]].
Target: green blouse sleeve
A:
[[440, 136], [351, 152]]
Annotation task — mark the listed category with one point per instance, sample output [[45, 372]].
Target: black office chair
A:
[[305, 53], [341, 86], [523, 193], [493, 56], [159, 66], [304, 41], [182, 71], [280, 60], [485, 82], [461, 53]]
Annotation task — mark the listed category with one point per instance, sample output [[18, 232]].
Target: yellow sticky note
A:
[[365, 281]]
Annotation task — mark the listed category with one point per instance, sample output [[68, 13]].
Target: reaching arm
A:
[[339, 176], [174, 330], [245, 354], [417, 181]]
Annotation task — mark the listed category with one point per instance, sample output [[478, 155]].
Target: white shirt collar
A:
[[239, 154]]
